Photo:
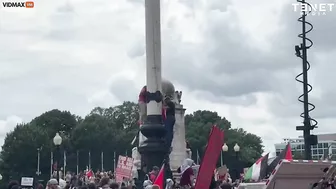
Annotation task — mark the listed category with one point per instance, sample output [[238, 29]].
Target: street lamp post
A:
[[38, 172], [58, 141], [236, 148], [225, 148]]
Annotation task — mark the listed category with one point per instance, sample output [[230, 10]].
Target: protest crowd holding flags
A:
[[207, 175]]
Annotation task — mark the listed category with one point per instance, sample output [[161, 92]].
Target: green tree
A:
[[19, 152], [198, 127], [250, 145], [57, 121], [105, 130], [95, 134], [123, 116]]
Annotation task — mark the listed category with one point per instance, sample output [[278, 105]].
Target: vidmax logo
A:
[[27, 4]]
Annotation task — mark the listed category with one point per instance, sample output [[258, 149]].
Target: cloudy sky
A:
[[233, 57]]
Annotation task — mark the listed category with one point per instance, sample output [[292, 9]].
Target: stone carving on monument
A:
[[178, 96]]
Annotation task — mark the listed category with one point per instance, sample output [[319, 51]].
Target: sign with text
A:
[[27, 181], [124, 167]]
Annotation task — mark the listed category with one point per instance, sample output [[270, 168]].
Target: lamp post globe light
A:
[[225, 148], [57, 141], [237, 170], [236, 148], [0, 177]]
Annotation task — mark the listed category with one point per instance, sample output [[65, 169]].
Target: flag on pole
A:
[[89, 159], [211, 155], [89, 173], [198, 160], [114, 161], [258, 170], [284, 154], [77, 160], [102, 160], [159, 181]]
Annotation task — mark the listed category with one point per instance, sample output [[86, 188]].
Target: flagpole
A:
[[102, 160], [77, 160], [221, 158], [114, 161], [51, 163], [64, 163], [89, 160]]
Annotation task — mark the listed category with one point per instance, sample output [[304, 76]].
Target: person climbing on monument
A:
[[143, 106], [169, 121]]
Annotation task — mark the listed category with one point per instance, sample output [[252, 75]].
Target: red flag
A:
[[284, 154], [89, 174], [160, 178], [288, 153], [212, 152]]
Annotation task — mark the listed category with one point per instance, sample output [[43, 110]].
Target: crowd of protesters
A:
[[106, 180]]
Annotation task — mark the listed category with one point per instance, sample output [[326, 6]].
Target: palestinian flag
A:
[[258, 170], [284, 154], [160, 181]]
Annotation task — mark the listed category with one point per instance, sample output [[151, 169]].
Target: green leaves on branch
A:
[[198, 127]]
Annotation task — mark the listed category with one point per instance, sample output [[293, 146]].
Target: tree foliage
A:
[[108, 130], [198, 127]]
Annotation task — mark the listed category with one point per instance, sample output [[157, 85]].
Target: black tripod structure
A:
[[301, 52]]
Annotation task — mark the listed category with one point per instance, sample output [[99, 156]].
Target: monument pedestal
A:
[[179, 150]]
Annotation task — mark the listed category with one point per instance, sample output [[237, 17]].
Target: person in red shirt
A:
[[143, 106], [187, 174]]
